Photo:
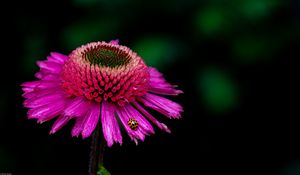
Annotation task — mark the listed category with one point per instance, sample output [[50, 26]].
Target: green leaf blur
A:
[[156, 51], [103, 171], [217, 90]]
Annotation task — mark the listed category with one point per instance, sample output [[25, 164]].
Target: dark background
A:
[[237, 62]]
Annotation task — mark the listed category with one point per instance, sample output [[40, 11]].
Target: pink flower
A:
[[100, 82]]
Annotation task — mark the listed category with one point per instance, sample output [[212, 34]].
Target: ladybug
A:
[[133, 124]]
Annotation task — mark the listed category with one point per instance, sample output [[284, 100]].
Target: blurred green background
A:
[[237, 62]]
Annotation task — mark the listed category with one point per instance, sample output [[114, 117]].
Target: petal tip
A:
[[114, 42]]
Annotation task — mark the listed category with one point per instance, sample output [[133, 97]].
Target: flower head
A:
[[100, 83]]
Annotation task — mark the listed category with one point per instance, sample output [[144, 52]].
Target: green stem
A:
[[97, 151]]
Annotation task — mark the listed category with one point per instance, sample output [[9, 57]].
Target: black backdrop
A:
[[259, 136]]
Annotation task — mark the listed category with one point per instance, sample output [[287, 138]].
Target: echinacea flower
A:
[[100, 83]]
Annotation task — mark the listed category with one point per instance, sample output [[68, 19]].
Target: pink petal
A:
[[47, 76], [43, 100], [27, 89], [115, 42], [31, 84], [91, 120], [57, 57], [59, 123], [143, 123], [48, 111], [162, 126], [76, 130], [162, 105], [77, 108], [144, 128], [110, 126], [39, 93], [40, 84], [87, 123], [52, 67], [159, 85]]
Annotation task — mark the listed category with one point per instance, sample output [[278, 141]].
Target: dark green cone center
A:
[[106, 57]]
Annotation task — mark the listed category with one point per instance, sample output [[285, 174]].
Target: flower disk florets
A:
[[104, 71]]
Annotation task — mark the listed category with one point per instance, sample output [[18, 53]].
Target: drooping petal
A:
[[38, 101], [77, 128], [162, 126], [59, 123], [77, 108], [39, 93], [143, 123], [157, 84], [48, 111], [162, 105], [124, 118], [86, 123], [91, 120], [144, 127], [40, 84], [110, 126]]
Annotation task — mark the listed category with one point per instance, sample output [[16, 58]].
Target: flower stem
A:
[[97, 151]]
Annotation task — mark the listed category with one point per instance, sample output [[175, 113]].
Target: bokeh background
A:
[[237, 62]]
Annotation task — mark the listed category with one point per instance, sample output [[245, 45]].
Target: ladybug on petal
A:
[[133, 124]]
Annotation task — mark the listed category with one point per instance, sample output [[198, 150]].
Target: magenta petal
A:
[[76, 130], [40, 84], [31, 84], [162, 126], [125, 113], [47, 76], [39, 93], [59, 123], [85, 124], [91, 120], [57, 57], [159, 85], [77, 108], [43, 100], [50, 77], [27, 89], [50, 66], [162, 105], [110, 126], [48, 111], [144, 125], [115, 42]]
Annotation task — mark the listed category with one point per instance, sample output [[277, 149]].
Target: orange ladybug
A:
[[133, 124]]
